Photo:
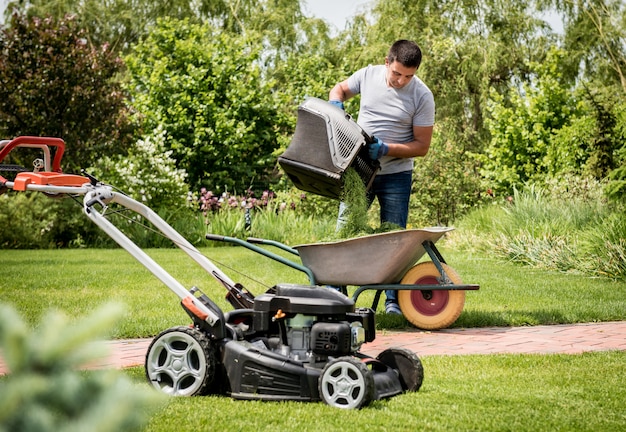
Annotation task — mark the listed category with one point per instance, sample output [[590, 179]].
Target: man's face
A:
[[399, 75]]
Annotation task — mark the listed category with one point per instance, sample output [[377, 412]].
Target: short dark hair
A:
[[407, 52]]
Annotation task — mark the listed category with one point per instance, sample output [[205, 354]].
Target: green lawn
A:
[[497, 392], [78, 280], [460, 393]]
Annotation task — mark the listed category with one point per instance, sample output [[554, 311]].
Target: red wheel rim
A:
[[429, 303]]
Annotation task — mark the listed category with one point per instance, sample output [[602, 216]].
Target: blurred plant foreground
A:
[[187, 105]]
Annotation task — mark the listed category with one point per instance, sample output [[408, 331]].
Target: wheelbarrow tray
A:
[[374, 259]]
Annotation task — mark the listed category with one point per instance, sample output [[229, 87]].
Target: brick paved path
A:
[[566, 339]]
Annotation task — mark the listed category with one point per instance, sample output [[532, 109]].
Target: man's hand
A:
[[377, 149], [337, 103]]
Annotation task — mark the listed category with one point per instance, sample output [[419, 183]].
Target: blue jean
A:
[[393, 192]]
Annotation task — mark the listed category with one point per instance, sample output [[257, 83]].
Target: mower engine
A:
[[311, 339], [311, 324]]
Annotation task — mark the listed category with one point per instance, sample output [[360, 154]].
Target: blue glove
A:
[[377, 149], [337, 103]]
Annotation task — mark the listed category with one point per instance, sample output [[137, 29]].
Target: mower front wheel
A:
[[346, 383], [181, 362]]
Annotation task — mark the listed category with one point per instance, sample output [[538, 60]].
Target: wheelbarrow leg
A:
[[376, 300], [437, 259]]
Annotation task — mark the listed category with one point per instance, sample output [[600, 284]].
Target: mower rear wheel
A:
[[181, 362], [346, 383], [430, 309], [408, 365]]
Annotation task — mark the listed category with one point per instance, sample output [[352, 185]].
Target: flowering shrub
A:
[[148, 173], [209, 202], [286, 216]]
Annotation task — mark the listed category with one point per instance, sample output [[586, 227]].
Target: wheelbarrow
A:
[[430, 293]]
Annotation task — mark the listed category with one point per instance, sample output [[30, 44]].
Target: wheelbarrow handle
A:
[[253, 240], [216, 237], [250, 245]]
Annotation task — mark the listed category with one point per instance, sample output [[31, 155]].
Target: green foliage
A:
[[565, 226], [594, 37], [147, 174], [205, 88], [445, 184], [522, 129], [31, 220], [117, 22], [283, 217], [45, 391], [616, 183], [602, 102], [55, 83], [605, 247]]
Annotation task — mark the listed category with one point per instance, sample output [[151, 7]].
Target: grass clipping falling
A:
[[355, 216]]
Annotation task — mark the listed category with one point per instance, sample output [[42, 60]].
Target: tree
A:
[[594, 38], [120, 23], [547, 129], [54, 83], [279, 25], [522, 125], [206, 89]]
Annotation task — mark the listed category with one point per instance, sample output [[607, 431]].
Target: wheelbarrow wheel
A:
[[430, 309], [346, 383], [181, 362]]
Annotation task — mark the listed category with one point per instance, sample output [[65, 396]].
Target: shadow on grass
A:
[[473, 319], [510, 318]]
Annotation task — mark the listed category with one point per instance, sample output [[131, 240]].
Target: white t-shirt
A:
[[390, 113]]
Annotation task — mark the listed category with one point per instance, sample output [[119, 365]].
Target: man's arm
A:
[[418, 147], [340, 92]]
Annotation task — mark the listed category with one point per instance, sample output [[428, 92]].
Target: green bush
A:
[[147, 174], [32, 220], [56, 83], [45, 389], [552, 229], [206, 89]]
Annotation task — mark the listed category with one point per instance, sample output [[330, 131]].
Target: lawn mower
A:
[[293, 342]]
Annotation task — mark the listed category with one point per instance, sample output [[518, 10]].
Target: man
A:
[[398, 109]]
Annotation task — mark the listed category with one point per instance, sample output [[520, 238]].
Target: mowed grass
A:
[[583, 392], [78, 280]]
